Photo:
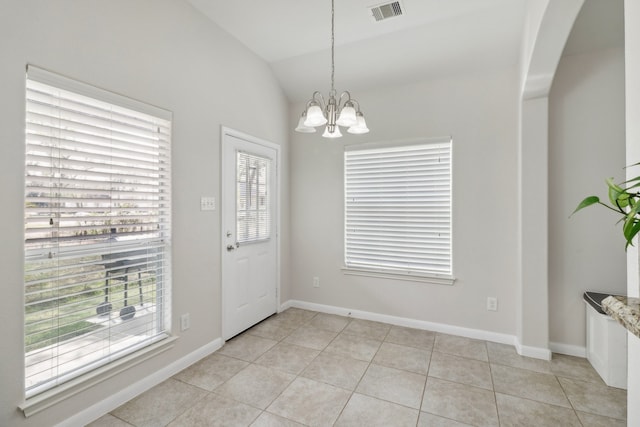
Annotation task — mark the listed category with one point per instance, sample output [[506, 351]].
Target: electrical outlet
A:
[[207, 203], [492, 304], [316, 282], [185, 322]]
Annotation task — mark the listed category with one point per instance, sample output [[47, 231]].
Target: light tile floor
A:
[[306, 368]]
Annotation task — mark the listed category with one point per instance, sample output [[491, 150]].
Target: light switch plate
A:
[[185, 322], [207, 203]]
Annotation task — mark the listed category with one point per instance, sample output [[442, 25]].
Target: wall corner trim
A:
[[568, 349], [535, 352], [285, 305]]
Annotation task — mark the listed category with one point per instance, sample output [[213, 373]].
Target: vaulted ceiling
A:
[[432, 38]]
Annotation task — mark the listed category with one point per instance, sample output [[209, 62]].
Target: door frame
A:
[[225, 132]]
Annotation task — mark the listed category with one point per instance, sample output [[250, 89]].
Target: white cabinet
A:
[[607, 347]]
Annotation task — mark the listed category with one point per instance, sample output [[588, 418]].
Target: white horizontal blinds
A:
[[253, 211], [398, 208], [97, 228]]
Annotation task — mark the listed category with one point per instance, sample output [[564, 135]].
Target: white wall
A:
[[586, 145], [164, 53], [632, 82], [479, 112], [632, 92]]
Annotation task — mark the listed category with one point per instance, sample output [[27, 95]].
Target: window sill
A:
[[48, 398], [408, 276]]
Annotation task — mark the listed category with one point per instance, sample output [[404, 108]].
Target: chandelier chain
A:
[[333, 67]]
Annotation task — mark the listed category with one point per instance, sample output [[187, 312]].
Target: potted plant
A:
[[625, 201]]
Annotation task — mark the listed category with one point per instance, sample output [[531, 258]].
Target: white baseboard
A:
[[112, 402], [534, 352], [403, 321], [284, 306], [568, 349]]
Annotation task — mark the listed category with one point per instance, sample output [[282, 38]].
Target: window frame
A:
[[390, 273], [63, 385]]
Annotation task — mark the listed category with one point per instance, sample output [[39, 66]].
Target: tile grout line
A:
[[568, 400], [371, 362], [190, 406], [351, 392], [361, 377], [493, 385], [321, 352], [256, 364], [296, 376], [426, 379], [124, 421]]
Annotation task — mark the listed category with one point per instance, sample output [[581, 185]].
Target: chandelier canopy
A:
[[337, 111]]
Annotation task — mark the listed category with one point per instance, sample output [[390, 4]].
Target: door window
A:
[[253, 215]]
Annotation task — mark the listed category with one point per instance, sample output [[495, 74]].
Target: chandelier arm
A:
[[343, 94], [353, 101], [318, 99]]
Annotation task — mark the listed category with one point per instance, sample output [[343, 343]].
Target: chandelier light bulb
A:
[[315, 117], [302, 128], [347, 116], [335, 134], [360, 127]]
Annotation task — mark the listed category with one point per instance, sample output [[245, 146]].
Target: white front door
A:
[[249, 231]]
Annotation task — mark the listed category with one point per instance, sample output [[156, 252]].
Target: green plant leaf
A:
[[631, 228], [633, 212], [637, 178], [630, 218], [614, 193], [623, 200], [591, 200], [613, 185], [626, 228], [634, 185]]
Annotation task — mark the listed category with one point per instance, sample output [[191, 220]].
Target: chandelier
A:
[[343, 111]]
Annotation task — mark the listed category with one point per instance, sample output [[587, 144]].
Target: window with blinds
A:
[[97, 228], [253, 213], [398, 209]]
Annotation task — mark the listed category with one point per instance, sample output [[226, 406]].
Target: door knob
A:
[[232, 247]]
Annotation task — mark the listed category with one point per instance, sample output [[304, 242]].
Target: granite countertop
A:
[[625, 310]]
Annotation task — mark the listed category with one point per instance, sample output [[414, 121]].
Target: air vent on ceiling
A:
[[386, 11]]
